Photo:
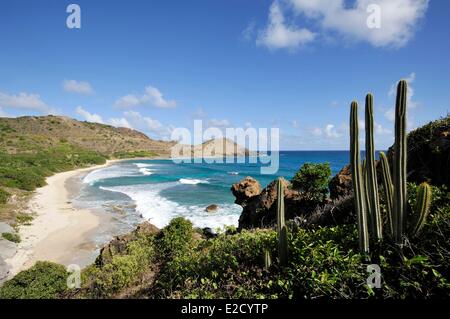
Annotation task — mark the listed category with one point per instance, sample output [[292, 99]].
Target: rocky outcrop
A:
[[341, 184], [245, 189], [429, 153], [119, 244], [260, 210]]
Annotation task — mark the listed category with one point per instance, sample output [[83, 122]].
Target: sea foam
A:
[[192, 181], [160, 211]]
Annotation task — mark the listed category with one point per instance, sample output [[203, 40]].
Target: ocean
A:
[[160, 190]]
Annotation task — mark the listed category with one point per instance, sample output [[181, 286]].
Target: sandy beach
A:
[[59, 232]]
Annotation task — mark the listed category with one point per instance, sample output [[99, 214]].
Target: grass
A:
[[15, 238], [134, 154]]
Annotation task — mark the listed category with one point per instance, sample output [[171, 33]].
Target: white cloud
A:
[[79, 87], [249, 31], [148, 124], [120, 122], [331, 132], [90, 117], [398, 23], [280, 35], [295, 124], [128, 101], [25, 101], [151, 96]]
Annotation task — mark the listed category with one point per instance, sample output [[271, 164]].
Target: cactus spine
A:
[[357, 180], [388, 190], [422, 208], [400, 154], [373, 204], [281, 226]]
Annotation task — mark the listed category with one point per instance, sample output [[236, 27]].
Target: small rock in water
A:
[[212, 208]]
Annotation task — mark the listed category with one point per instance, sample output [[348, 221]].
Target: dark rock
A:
[[245, 189], [212, 208], [209, 233], [119, 244], [260, 210], [336, 212], [428, 153], [341, 184]]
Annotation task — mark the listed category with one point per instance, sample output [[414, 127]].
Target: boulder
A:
[[212, 208], [341, 184], [245, 189], [119, 244], [260, 210]]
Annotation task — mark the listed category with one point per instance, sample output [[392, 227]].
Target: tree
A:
[[312, 179]]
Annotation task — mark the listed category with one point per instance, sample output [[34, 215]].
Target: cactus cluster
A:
[[281, 226], [364, 179]]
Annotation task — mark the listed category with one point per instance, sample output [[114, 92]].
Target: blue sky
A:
[[292, 64]]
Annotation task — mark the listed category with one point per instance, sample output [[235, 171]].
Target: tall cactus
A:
[[357, 180], [280, 205], [400, 160], [365, 183], [373, 203], [267, 259], [281, 226], [388, 190], [423, 202]]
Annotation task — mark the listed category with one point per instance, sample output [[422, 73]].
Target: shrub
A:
[[4, 195], [45, 280], [15, 238], [313, 180], [122, 271]]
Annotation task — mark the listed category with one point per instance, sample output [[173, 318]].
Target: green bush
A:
[[122, 271], [45, 280], [4, 195], [313, 180], [15, 238]]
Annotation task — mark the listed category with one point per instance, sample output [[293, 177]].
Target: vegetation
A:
[[122, 271], [313, 180], [135, 154], [45, 280], [15, 238], [313, 262], [323, 262], [4, 195]]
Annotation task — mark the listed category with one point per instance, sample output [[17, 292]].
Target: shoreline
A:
[[59, 232]]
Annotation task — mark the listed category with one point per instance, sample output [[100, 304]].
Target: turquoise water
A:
[[162, 190]]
